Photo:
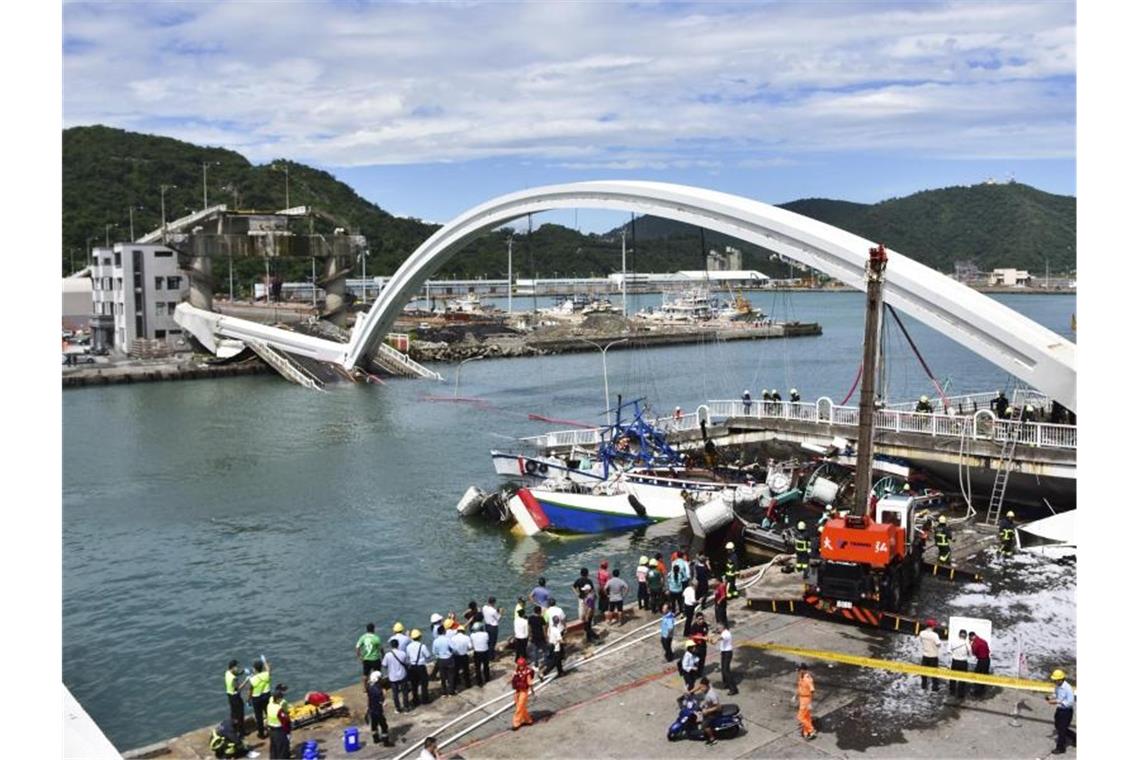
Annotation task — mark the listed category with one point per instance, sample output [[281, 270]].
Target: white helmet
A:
[[677, 409], [924, 399], [794, 390], [730, 545], [746, 393], [1009, 513]]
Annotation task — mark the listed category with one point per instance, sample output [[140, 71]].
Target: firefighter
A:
[[746, 397], [924, 406], [942, 540], [1006, 534], [793, 396], [828, 513], [730, 570], [776, 396], [1029, 414], [999, 404], [802, 545]]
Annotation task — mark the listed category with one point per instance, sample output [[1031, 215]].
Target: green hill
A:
[[107, 171]]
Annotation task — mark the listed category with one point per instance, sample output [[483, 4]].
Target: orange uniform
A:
[[805, 687], [522, 682]]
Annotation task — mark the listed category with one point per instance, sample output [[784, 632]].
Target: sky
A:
[[430, 109]]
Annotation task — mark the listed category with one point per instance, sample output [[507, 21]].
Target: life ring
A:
[[542, 468], [531, 466]]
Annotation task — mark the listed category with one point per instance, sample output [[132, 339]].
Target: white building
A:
[[1010, 278], [135, 288]]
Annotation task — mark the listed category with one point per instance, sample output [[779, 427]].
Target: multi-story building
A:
[[135, 288]]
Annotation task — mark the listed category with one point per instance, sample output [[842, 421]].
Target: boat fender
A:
[[531, 466], [638, 507], [542, 468]]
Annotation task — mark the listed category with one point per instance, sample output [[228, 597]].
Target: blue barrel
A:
[[310, 750], [351, 739]]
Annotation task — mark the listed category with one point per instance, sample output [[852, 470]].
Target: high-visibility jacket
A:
[[259, 683], [942, 538], [801, 544], [231, 682], [272, 709]]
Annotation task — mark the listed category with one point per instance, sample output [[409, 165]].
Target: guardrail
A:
[[981, 426]]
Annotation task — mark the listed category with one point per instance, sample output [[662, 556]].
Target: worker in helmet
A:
[[1063, 699], [730, 562], [747, 399], [942, 540], [1006, 534], [793, 395], [802, 547], [999, 404], [924, 405], [776, 395], [400, 636]]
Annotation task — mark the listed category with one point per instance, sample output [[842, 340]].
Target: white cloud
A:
[[584, 84]]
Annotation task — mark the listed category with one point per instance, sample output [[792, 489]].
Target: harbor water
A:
[[210, 520]]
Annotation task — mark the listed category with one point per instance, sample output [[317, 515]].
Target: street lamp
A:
[[459, 370], [605, 372], [285, 168], [107, 234], [162, 199], [131, 213], [205, 203], [364, 272]]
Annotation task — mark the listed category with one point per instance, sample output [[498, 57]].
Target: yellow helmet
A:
[[1058, 675], [691, 643], [800, 525], [416, 634], [1009, 513], [644, 560], [398, 628], [942, 519]]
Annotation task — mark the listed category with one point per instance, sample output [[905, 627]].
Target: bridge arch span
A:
[[1008, 339]]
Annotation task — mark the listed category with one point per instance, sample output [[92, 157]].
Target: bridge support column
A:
[[334, 285], [201, 283]]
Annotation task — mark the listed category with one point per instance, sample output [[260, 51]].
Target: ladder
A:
[[1001, 479]]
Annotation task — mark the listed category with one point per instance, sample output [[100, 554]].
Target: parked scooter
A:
[[725, 725]]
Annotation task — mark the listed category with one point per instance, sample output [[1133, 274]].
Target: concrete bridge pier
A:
[[201, 283], [333, 282]]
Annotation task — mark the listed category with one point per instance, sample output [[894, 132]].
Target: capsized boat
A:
[[1054, 536], [602, 511]]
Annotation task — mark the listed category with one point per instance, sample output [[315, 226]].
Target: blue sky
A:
[[428, 109]]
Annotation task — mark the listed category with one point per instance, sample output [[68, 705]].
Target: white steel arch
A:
[[1013, 342]]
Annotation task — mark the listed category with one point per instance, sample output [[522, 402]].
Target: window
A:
[[159, 334], [159, 309], [118, 283], [173, 283], [170, 307], [173, 332], [158, 283], [118, 258], [163, 254], [106, 261]]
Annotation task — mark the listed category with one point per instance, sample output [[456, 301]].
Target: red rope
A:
[[854, 385], [913, 347]]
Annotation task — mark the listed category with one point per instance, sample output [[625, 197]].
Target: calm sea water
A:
[[210, 520]]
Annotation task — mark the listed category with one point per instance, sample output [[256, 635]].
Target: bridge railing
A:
[[965, 403]]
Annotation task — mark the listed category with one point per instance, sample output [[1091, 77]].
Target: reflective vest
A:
[[259, 683], [729, 569], [231, 682], [801, 544], [271, 709], [942, 539]]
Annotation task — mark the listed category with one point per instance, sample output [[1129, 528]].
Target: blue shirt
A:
[[441, 648], [1063, 693], [541, 596], [668, 623]]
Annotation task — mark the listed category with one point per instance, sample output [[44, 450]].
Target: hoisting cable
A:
[[854, 385], [913, 347]]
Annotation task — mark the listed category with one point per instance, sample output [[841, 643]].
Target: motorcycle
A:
[[725, 725]]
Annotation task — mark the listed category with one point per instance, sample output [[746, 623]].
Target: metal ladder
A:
[[1001, 479]]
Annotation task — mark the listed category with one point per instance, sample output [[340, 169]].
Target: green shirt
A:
[[369, 646], [259, 683]]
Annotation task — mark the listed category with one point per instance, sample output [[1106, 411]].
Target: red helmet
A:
[[520, 661]]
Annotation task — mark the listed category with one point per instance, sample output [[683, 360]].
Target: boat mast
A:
[[876, 270]]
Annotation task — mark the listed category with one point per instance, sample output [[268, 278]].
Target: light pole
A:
[[624, 312], [107, 234], [131, 213], [162, 199], [605, 372], [205, 203], [364, 272], [459, 370], [284, 168], [510, 278]]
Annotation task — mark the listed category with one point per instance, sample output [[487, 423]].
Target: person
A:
[[730, 563], [580, 584], [395, 663], [720, 603], [642, 574], [805, 690], [959, 650], [430, 750], [481, 647], [980, 648], [828, 514], [1029, 414], [677, 582], [747, 399], [924, 406], [794, 396], [444, 662], [259, 695], [942, 540], [277, 718], [1063, 699], [710, 708], [701, 573], [678, 415], [418, 657], [552, 611], [461, 655], [376, 719], [668, 623], [654, 585], [603, 578], [368, 652], [687, 666], [724, 641], [522, 632], [999, 405], [689, 597], [399, 635], [776, 398], [435, 621], [1007, 534], [700, 634], [225, 743], [591, 606], [554, 636], [930, 644], [523, 684], [616, 589], [233, 696], [802, 547], [540, 594], [767, 398], [491, 617], [537, 638]]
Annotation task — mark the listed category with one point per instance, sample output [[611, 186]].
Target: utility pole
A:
[[205, 202], [510, 278], [107, 234], [162, 196], [864, 453], [624, 311]]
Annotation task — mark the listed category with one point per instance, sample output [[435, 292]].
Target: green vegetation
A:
[[107, 171]]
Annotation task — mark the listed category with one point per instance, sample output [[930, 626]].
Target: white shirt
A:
[[688, 662], [481, 641], [521, 628], [689, 596], [554, 635], [959, 650], [726, 640], [460, 644], [418, 654], [930, 643], [425, 755], [395, 661], [490, 615], [550, 612]]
